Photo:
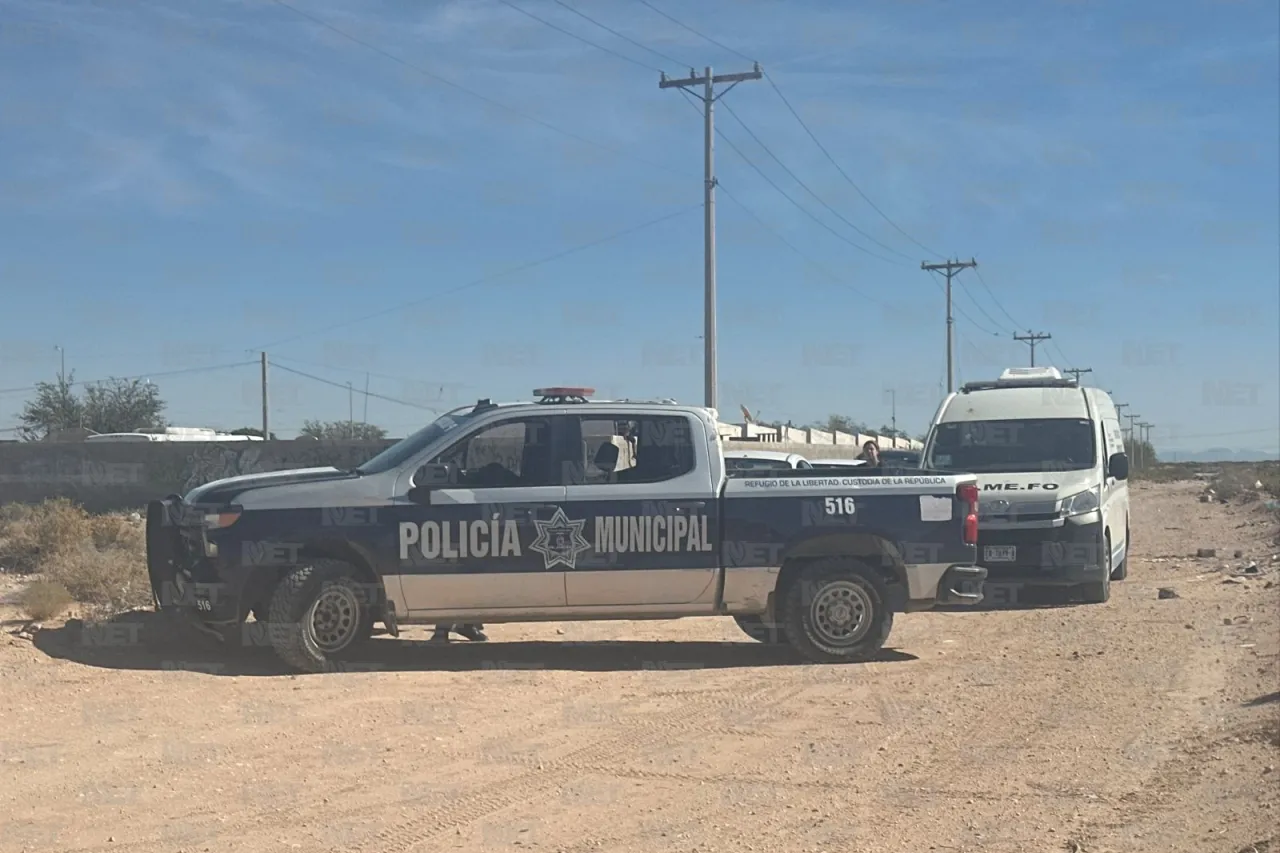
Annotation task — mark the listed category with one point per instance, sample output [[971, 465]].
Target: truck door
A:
[[641, 484], [475, 545]]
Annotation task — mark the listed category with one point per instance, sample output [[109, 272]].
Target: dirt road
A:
[[1145, 724]]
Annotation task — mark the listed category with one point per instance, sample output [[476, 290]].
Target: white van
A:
[[1051, 465]]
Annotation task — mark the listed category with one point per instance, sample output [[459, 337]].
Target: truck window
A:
[[1010, 446], [747, 463], [649, 449], [512, 453]]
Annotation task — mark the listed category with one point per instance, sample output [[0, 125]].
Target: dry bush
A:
[[97, 559], [1241, 482], [1165, 472], [117, 530], [1269, 475], [44, 599], [32, 534], [113, 578]]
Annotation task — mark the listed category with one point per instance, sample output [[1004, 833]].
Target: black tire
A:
[[769, 633], [1100, 592], [1121, 571], [821, 636], [292, 624]]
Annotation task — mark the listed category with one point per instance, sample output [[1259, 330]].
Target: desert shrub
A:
[[1269, 475], [44, 599], [117, 530], [1163, 473], [113, 578], [31, 535]]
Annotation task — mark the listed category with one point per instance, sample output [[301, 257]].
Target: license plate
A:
[[1000, 553]]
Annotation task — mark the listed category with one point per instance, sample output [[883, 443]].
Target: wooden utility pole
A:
[[1032, 338], [266, 422], [1133, 439], [949, 269], [708, 97], [1076, 371]]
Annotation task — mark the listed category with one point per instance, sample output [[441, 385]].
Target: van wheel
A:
[[836, 611], [1121, 571], [321, 614], [769, 633], [1100, 593]]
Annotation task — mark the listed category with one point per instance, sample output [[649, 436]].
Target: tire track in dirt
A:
[[660, 726], [654, 727]]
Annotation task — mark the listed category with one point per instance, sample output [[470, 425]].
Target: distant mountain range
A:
[[1216, 454]]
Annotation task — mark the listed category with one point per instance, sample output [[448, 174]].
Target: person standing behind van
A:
[[870, 454]]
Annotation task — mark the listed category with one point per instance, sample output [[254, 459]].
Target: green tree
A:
[[343, 430], [115, 405], [840, 423], [250, 431], [1140, 452], [54, 408]]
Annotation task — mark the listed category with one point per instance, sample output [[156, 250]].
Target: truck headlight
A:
[[1080, 503], [218, 520]]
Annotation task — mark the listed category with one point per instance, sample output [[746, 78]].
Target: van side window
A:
[[631, 449]]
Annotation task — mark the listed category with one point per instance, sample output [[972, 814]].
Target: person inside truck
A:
[[870, 454]]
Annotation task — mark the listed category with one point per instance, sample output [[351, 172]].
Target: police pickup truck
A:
[[564, 509]]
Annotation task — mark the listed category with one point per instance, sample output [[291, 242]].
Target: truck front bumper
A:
[[1065, 554], [182, 578]]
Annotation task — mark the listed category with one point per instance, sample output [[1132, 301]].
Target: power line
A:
[[842, 172], [1032, 338], [835, 278], [796, 178], [487, 278], [983, 282], [88, 382], [346, 386], [797, 204], [706, 38], [621, 35], [574, 35], [459, 87], [1275, 430], [802, 122], [978, 305], [960, 310]]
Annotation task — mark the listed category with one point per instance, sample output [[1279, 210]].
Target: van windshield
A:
[[404, 449], [1039, 444]]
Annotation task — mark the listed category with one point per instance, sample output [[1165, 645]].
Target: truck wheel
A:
[[769, 633], [1100, 592], [836, 611], [320, 614]]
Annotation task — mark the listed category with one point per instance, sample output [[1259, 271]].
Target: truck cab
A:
[[564, 509]]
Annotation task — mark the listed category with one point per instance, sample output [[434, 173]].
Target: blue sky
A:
[[188, 183]]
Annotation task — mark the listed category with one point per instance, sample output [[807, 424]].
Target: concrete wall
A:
[[104, 477], [115, 476]]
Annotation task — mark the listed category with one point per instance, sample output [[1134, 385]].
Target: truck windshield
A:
[[404, 449], [1041, 444]]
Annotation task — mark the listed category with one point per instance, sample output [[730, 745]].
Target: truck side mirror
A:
[[428, 477], [1118, 466]]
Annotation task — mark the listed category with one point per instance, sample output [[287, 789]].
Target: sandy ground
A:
[[1144, 724]]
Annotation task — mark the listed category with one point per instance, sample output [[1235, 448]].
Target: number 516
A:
[[840, 506]]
